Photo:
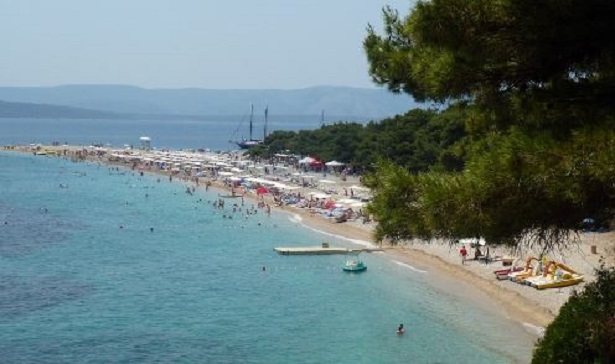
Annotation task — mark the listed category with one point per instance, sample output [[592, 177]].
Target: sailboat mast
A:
[[251, 117], [265, 128]]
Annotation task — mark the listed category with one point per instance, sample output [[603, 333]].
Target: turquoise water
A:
[[84, 279]]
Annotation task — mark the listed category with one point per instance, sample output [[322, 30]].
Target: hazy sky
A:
[[188, 43]]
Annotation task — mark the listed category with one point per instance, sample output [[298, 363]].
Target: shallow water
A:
[[84, 279]]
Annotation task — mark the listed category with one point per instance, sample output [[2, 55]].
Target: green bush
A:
[[584, 330]]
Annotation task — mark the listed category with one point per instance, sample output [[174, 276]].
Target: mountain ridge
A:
[[132, 100]]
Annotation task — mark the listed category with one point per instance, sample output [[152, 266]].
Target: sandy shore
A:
[[521, 303]]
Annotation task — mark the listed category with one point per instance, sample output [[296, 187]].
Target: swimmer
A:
[[400, 329], [151, 229]]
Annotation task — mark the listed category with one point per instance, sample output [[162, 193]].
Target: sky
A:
[[215, 44]]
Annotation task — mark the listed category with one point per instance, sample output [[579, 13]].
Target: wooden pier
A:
[[321, 250]]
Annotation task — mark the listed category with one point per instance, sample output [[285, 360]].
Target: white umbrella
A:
[[358, 187], [469, 241], [319, 195], [334, 164]]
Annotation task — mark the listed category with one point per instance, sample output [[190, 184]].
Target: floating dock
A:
[[321, 250]]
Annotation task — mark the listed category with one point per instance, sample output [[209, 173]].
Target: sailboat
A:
[[250, 143]]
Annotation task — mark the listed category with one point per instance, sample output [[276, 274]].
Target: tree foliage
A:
[[519, 189], [584, 330], [419, 140], [536, 80]]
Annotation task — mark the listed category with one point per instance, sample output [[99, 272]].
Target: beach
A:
[[475, 280]]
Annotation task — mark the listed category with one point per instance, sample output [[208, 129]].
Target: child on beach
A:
[[463, 253]]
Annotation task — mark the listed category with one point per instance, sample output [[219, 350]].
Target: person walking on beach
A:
[[463, 253]]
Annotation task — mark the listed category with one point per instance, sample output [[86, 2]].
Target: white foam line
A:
[[538, 330], [297, 219], [409, 267]]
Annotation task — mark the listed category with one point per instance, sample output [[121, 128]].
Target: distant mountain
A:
[[44, 111], [335, 101]]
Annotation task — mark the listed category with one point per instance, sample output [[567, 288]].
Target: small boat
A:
[[354, 264], [502, 275]]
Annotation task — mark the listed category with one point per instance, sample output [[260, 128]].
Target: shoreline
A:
[[522, 304], [515, 306]]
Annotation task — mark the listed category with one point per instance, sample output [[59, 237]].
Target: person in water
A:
[[400, 329]]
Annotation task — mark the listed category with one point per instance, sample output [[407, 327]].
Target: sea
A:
[[103, 265]]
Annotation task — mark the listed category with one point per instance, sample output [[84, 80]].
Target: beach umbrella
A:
[[334, 164], [355, 187], [469, 241], [262, 190], [306, 160]]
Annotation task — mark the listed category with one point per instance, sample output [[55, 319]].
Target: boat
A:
[[354, 264], [251, 143], [528, 271], [502, 274], [554, 275]]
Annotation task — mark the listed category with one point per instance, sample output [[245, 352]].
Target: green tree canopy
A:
[[536, 80], [419, 140]]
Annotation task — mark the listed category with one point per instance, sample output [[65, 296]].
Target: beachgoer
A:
[[463, 253], [477, 253], [400, 329]]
